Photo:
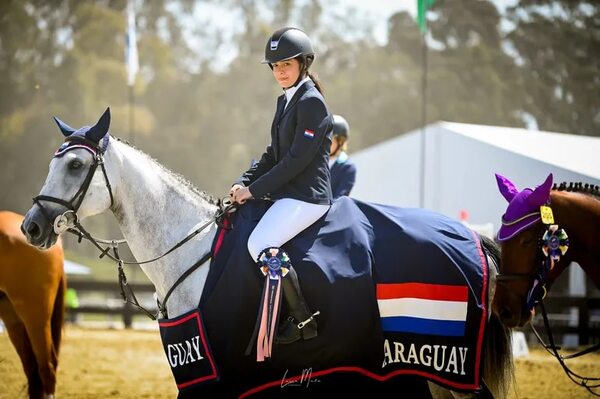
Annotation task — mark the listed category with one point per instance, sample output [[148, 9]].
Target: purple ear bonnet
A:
[[523, 206]]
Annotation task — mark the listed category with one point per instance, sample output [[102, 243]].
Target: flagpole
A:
[[422, 6], [131, 96], [423, 118], [132, 66]]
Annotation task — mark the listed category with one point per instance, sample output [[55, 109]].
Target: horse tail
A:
[[58, 317], [498, 367]]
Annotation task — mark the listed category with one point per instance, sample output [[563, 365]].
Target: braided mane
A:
[[578, 187]]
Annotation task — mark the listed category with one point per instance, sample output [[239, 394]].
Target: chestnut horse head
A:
[[543, 230]]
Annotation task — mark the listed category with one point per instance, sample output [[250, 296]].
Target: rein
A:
[[552, 349], [61, 223], [80, 231]]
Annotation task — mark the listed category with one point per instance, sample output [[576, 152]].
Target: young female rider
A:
[[294, 170]]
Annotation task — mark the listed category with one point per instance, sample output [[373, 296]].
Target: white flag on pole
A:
[[131, 53]]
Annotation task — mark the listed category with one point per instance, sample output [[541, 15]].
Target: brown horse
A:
[[32, 290], [534, 251]]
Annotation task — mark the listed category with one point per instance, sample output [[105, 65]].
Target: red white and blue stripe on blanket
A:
[[419, 308]]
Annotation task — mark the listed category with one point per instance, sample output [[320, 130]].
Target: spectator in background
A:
[[343, 170]]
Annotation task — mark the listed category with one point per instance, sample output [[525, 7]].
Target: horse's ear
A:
[[64, 128], [541, 194], [100, 129], [506, 187]]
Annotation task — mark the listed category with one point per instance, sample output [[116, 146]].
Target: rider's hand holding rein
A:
[[240, 194]]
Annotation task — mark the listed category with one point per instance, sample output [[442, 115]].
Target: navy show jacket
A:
[[343, 176], [295, 164]]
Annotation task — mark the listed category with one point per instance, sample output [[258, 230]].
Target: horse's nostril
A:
[[33, 230]]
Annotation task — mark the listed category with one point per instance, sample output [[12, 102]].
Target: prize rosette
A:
[[555, 242], [273, 262]]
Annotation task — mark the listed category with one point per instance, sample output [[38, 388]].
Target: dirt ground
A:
[[130, 364]]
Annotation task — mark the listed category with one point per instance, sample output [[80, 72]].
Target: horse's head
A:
[[522, 265], [75, 186]]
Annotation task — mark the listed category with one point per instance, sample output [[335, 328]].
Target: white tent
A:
[[457, 175]]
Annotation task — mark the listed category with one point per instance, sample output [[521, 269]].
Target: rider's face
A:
[[286, 72]]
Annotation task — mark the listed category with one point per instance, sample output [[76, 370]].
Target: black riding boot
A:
[[301, 322]]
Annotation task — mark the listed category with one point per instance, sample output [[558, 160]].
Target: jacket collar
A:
[[309, 84], [289, 93], [341, 158]]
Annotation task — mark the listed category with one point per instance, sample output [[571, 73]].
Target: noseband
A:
[[60, 223]]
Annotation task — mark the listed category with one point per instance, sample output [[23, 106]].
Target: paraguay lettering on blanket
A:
[[432, 309], [187, 349]]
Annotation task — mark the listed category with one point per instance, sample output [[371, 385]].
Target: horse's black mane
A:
[[185, 182], [578, 187]]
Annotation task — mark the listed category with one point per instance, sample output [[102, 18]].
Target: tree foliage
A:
[[205, 115]]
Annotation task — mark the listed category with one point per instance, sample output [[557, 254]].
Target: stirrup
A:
[[291, 331], [302, 323]]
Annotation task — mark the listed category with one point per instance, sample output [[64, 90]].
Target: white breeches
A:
[[283, 221]]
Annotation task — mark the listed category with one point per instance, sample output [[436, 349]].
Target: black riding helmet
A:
[[340, 126], [287, 43]]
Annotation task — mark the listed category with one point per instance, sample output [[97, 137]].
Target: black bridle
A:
[[548, 254], [539, 274], [538, 279], [61, 223]]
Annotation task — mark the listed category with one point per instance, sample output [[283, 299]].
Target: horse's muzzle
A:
[[37, 229], [513, 316]]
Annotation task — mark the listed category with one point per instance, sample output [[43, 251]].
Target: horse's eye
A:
[[75, 164]]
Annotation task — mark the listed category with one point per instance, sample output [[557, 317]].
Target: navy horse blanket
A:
[[402, 293]]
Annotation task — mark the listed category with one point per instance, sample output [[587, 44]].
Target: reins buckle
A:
[[305, 322]]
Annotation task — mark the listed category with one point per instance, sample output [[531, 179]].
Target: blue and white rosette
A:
[[274, 262]]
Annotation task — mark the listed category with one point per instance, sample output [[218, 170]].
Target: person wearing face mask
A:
[[293, 172], [343, 170]]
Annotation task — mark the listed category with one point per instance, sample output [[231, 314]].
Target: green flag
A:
[[422, 6]]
